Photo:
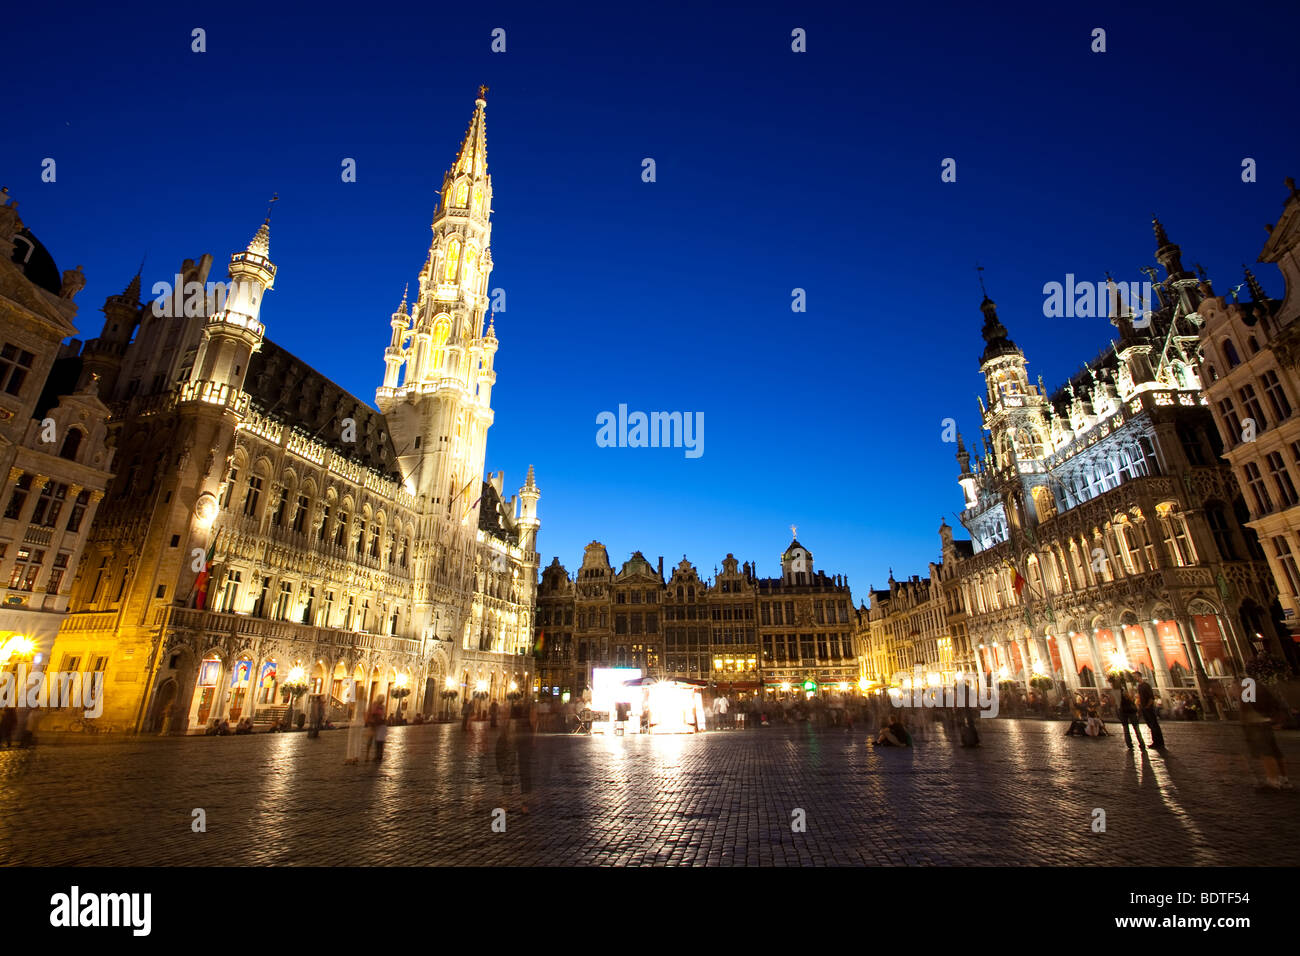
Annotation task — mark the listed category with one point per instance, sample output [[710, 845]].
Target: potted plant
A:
[[294, 687], [447, 697], [1122, 677]]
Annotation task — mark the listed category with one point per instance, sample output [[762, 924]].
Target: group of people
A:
[[1088, 716], [221, 728]]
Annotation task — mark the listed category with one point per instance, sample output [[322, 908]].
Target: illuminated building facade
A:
[[1105, 532], [805, 632], [267, 526], [1250, 354], [53, 449], [693, 628]]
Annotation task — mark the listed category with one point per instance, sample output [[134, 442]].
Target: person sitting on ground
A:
[[1079, 725], [894, 734], [223, 730], [213, 729], [1095, 727]]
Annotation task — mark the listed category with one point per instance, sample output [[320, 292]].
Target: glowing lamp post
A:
[[16, 649]]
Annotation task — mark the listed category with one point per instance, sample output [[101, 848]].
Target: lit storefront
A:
[[625, 702]]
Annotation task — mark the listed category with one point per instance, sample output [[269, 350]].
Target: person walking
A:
[[317, 714], [376, 728], [1258, 717], [1128, 714], [720, 712], [1147, 705], [493, 710], [466, 709]]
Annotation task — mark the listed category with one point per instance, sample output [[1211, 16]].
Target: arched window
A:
[[71, 444], [471, 268], [1230, 353], [462, 192], [453, 261], [477, 208], [441, 330]]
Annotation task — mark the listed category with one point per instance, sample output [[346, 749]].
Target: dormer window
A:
[[1230, 353]]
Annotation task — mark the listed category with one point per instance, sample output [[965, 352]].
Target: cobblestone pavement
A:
[[1026, 796]]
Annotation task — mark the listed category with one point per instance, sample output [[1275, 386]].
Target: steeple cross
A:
[[482, 92], [275, 198], [794, 531]]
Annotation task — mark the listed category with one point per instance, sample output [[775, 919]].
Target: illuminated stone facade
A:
[[53, 449], [1106, 533], [705, 629], [263, 519], [1250, 358]]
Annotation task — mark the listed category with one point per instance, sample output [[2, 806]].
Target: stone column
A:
[[1068, 663], [1163, 678]]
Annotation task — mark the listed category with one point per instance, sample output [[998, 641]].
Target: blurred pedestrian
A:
[[377, 728], [493, 709], [1258, 718], [1147, 705]]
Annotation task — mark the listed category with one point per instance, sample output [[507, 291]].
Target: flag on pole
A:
[[1018, 583], [201, 582], [540, 646]]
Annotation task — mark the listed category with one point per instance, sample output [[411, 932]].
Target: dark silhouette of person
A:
[[1147, 704], [1128, 714]]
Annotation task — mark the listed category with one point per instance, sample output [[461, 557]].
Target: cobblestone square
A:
[[1026, 796]]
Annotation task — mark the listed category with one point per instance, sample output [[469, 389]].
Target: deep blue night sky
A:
[[775, 170]]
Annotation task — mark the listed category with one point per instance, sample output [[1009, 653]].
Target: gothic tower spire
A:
[[233, 334]]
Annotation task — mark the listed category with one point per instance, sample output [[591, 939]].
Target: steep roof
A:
[[285, 388]]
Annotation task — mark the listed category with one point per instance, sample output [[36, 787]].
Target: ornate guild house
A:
[[266, 531], [1107, 533]]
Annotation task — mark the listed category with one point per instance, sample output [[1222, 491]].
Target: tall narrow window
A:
[[27, 565], [1282, 479], [253, 496], [1250, 402], [1286, 560], [1255, 481], [453, 261], [1231, 423], [1276, 394], [471, 268], [15, 363]]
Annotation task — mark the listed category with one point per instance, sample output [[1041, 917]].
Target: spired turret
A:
[[440, 410], [102, 357], [232, 334]]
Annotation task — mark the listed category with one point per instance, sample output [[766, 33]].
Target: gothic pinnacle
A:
[[1162, 238], [1256, 290]]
